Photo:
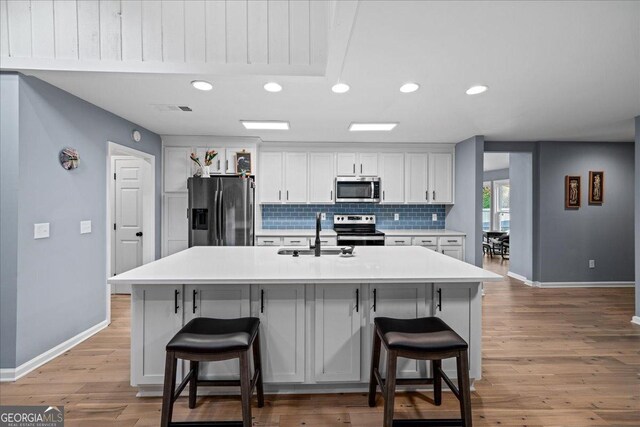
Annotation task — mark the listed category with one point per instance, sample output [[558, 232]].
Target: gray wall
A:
[[637, 185], [495, 175], [604, 233], [521, 219], [8, 217], [466, 214], [62, 279]]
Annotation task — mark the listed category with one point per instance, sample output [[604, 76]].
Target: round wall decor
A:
[[69, 158]]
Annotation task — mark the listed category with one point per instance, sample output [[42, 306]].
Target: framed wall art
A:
[[596, 187], [572, 192], [243, 163]]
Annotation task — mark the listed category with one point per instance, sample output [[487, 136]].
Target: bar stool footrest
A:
[[428, 423]]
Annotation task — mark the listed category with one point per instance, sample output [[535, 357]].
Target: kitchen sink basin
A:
[[307, 251]]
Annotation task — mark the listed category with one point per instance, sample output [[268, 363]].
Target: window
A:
[[502, 215], [486, 206]]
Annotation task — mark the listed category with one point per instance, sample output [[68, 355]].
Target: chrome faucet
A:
[[318, 229]]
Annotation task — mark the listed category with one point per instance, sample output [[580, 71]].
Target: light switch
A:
[[41, 231], [434, 217], [396, 217], [85, 227], [323, 216]]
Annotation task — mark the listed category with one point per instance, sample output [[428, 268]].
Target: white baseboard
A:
[[36, 362], [584, 284], [520, 277], [636, 320]]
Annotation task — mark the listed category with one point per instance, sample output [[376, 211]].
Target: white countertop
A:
[[306, 232], [262, 264], [421, 232]]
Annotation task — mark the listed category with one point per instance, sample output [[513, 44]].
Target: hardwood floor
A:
[[565, 357]]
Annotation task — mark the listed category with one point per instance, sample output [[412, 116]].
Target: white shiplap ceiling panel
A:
[[278, 36]]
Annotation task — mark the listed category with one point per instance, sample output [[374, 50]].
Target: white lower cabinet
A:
[[159, 312], [338, 320], [281, 309], [402, 301], [220, 302], [452, 303]]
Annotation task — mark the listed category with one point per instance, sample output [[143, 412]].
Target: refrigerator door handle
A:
[[221, 235], [216, 236]]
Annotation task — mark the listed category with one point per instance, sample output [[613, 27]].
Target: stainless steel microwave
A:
[[357, 189]]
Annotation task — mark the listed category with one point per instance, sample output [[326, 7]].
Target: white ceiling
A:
[[496, 161], [555, 71]]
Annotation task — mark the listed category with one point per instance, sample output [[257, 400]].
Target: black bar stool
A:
[[427, 338], [207, 340]]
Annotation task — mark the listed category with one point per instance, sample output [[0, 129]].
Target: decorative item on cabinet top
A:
[[243, 163], [69, 158]]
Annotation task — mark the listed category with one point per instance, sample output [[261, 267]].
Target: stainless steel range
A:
[[357, 230]]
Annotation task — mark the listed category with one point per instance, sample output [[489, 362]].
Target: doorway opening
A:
[[131, 226]]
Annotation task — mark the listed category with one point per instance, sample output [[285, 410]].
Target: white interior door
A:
[[128, 205]]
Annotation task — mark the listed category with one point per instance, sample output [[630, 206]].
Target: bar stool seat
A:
[[426, 334], [208, 340], [203, 335], [427, 338]]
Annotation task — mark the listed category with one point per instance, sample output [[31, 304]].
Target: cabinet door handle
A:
[[439, 306], [357, 300], [360, 168], [331, 196], [426, 195], [261, 300], [195, 296], [354, 168], [434, 195], [176, 293], [279, 194], [287, 194], [383, 197], [227, 164], [374, 299]]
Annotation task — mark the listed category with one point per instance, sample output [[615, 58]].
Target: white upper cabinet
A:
[[270, 179], [295, 181], [368, 164], [441, 177], [416, 184], [321, 177], [346, 164], [392, 177], [177, 168], [357, 164]]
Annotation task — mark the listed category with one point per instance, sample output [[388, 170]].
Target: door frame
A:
[[114, 151]]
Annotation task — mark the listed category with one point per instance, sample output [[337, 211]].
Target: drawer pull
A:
[[452, 241]]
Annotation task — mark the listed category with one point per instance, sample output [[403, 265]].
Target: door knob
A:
[[139, 233]]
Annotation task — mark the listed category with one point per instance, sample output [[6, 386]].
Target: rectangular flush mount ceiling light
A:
[[375, 127], [265, 125]]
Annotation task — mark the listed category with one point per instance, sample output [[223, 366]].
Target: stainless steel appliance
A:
[[357, 230], [221, 211], [358, 189]]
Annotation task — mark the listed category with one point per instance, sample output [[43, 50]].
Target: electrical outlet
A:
[[41, 231], [434, 217], [323, 216], [592, 263], [396, 217], [85, 227]]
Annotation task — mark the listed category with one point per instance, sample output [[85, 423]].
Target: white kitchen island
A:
[[316, 314]]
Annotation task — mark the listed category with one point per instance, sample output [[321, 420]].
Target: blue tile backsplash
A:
[[303, 216]]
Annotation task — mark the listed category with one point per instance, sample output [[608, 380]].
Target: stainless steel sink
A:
[[307, 251]]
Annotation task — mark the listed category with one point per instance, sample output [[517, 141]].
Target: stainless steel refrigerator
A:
[[221, 211]]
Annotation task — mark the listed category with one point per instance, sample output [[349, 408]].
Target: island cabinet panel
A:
[[402, 301], [338, 318], [453, 304], [281, 309], [222, 302], [157, 316]]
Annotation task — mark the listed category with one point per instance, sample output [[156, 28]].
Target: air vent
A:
[[167, 107]]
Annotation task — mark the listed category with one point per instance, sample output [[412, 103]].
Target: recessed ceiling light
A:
[[272, 87], [409, 87], [374, 127], [474, 90], [340, 88], [265, 125], [201, 85]]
